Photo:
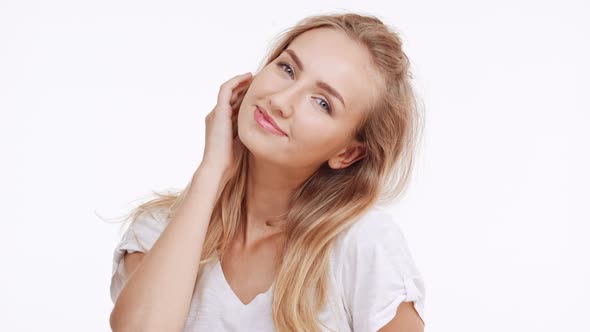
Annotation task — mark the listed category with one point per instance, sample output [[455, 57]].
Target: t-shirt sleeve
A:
[[140, 236], [378, 273]]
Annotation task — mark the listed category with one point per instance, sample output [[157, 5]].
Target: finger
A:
[[241, 91], [238, 91], [226, 89], [238, 97], [236, 108]]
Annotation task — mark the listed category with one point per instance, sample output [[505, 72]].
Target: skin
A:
[[278, 164], [289, 95], [319, 129]]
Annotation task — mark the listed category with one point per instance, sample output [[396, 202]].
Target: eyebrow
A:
[[321, 84]]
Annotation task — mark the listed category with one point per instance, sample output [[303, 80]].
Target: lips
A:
[[270, 119]]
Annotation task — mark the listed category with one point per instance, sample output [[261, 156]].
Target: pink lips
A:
[[266, 122]]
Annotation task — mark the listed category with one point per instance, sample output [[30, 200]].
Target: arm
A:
[[406, 320], [159, 289]]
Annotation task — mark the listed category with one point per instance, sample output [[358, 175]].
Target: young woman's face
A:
[[318, 124]]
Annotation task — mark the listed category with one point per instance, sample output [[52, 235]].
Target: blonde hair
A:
[[330, 201]]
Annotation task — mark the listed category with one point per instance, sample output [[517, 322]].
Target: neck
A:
[[268, 192]]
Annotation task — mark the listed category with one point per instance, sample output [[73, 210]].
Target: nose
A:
[[281, 102]]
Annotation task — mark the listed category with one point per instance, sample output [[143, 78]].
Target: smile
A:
[[262, 121]]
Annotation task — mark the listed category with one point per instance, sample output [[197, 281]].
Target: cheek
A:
[[319, 139], [314, 136], [263, 80]]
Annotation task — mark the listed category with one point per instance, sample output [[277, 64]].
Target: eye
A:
[[327, 108], [282, 64]]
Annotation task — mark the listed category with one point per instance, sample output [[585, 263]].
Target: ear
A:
[[348, 156]]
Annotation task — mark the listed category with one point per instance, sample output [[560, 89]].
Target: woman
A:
[[278, 228]]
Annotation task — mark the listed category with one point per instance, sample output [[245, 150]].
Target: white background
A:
[[102, 102]]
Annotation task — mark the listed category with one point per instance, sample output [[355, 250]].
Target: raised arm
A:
[[158, 293], [159, 288]]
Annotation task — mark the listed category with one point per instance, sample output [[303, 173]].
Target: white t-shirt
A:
[[371, 273]]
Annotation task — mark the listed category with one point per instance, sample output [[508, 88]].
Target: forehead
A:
[[330, 56]]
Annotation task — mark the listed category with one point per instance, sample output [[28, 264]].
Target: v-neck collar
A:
[[232, 294]]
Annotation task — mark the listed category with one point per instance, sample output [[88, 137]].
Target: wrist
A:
[[209, 171], [208, 178]]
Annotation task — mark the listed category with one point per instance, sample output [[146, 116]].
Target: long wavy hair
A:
[[329, 201]]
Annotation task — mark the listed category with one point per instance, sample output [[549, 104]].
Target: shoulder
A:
[[155, 218], [375, 236], [144, 230], [375, 271], [376, 227], [139, 236]]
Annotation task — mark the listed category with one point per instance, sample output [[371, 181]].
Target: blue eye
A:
[[327, 108], [282, 65]]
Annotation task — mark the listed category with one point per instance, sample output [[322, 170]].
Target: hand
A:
[[219, 137]]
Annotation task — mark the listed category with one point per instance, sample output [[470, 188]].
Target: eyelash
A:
[[281, 64]]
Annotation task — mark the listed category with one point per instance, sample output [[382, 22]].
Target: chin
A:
[[258, 147]]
